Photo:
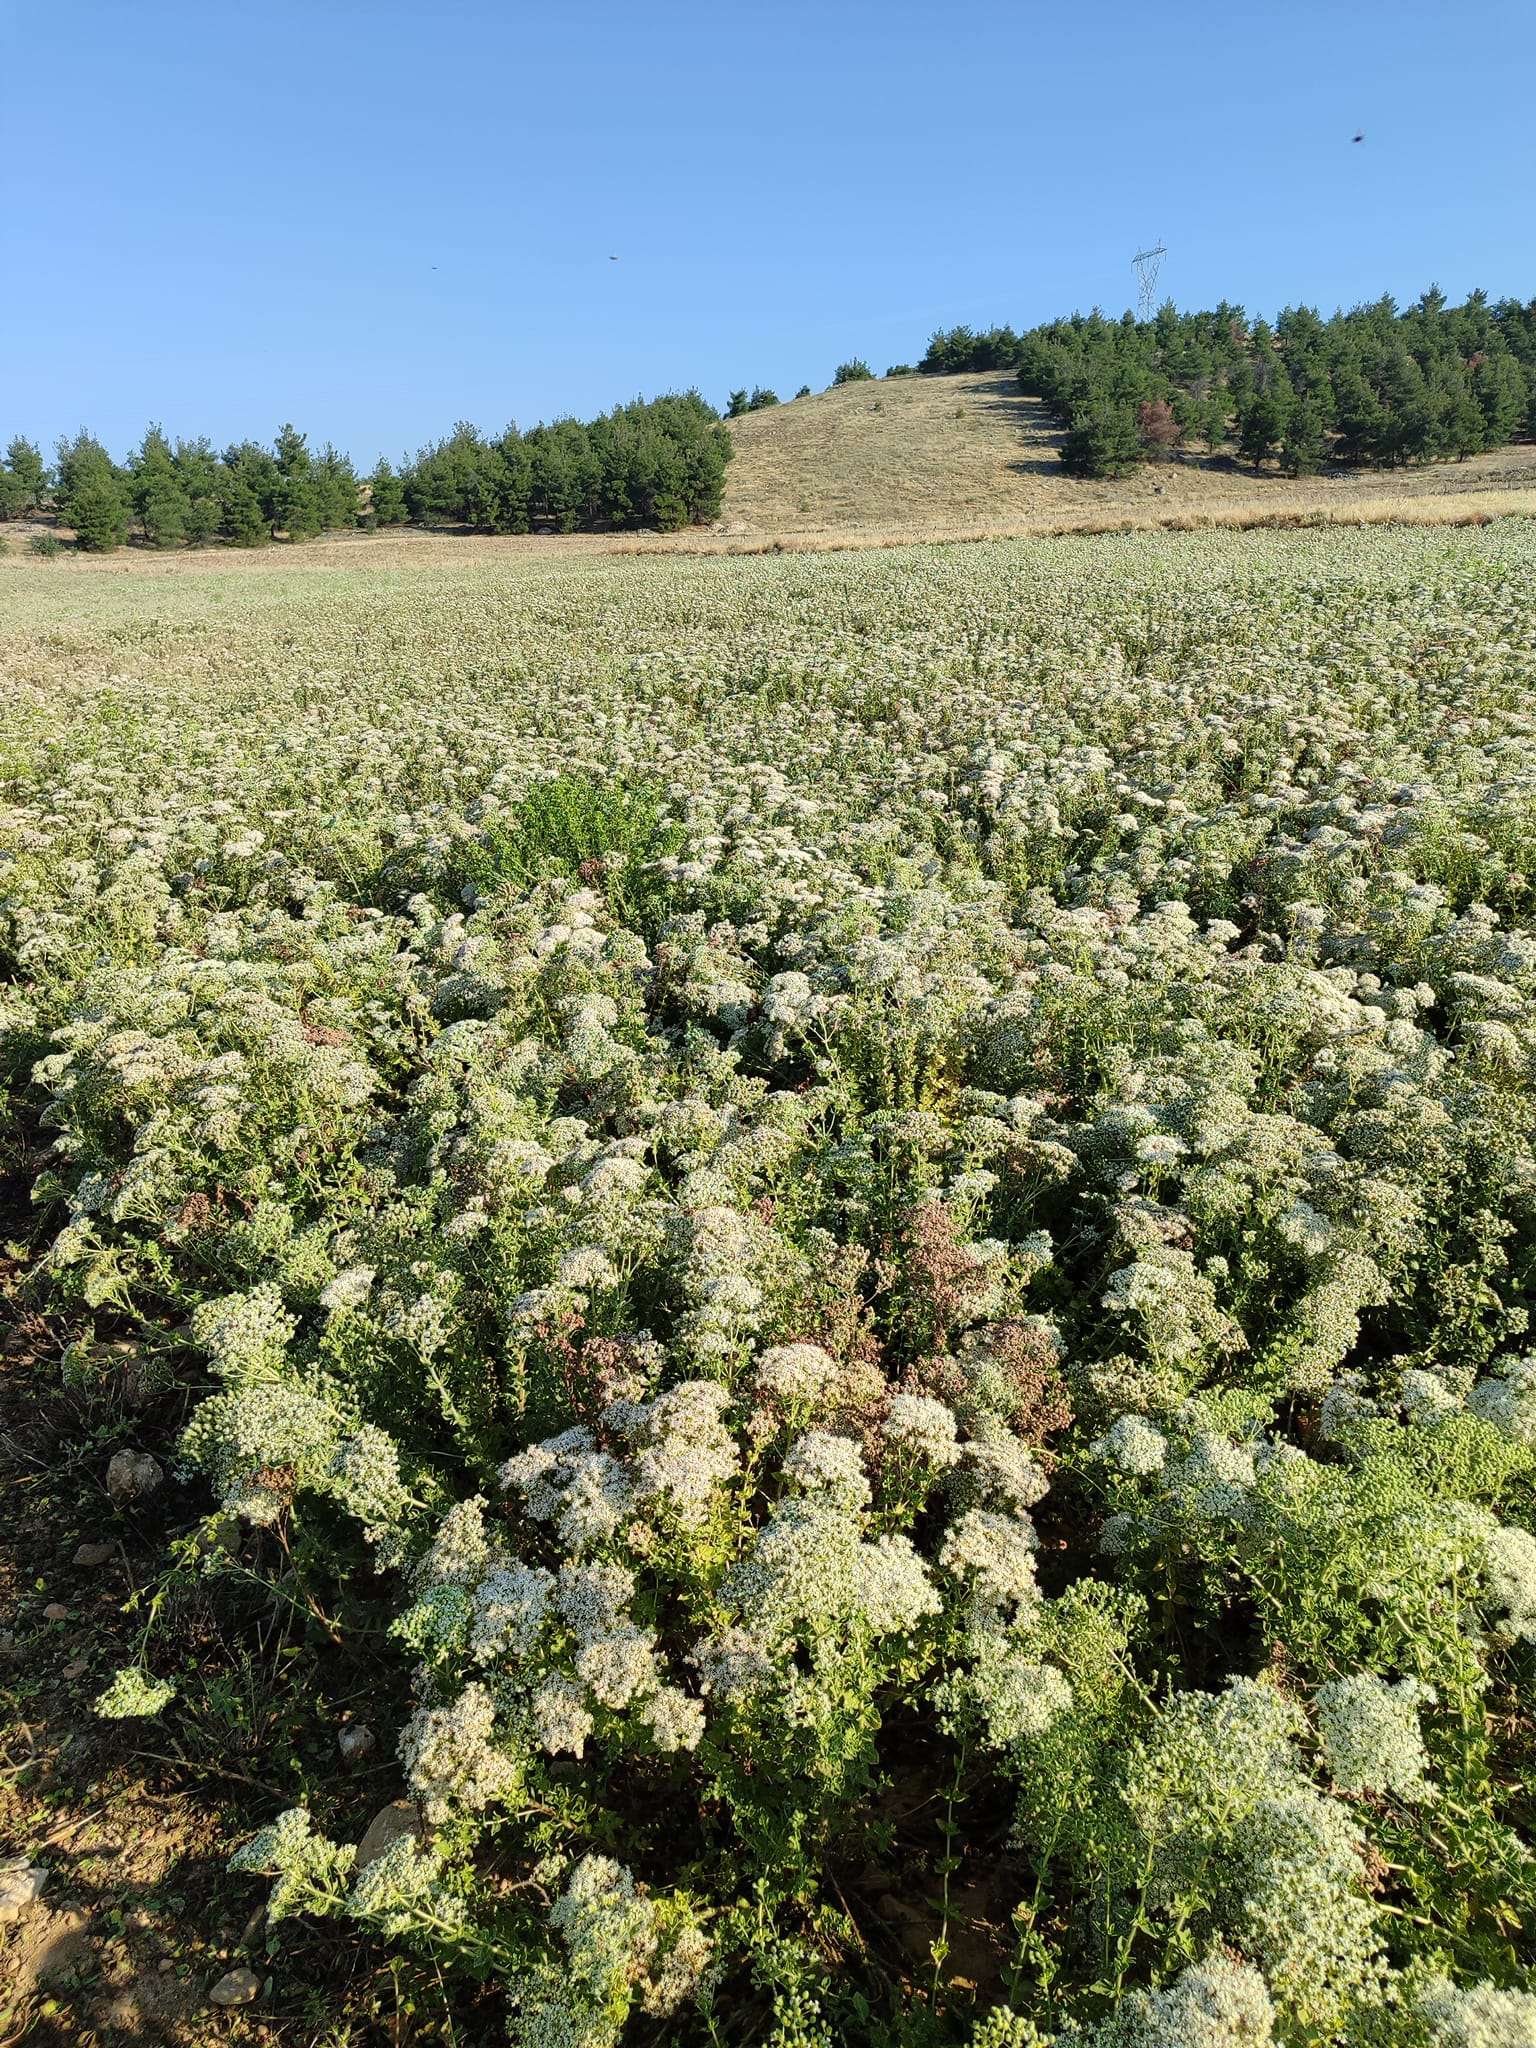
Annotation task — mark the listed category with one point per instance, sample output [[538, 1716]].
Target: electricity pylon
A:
[[1147, 263]]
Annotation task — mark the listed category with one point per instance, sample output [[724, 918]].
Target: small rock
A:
[[133, 1474], [166, 1964], [354, 1742], [21, 1885], [386, 1828], [236, 1987], [92, 1554], [55, 1611]]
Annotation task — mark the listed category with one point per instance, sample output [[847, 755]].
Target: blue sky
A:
[[375, 219]]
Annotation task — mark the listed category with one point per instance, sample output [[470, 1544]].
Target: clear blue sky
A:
[[377, 218]]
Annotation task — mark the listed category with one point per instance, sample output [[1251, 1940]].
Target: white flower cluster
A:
[[134, 1694], [790, 931], [1507, 1399], [1369, 1731], [1477, 2015], [1228, 1814], [451, 1759], [303, 1863], [622, 1949]]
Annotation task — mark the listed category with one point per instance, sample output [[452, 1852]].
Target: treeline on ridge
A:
[[654, 464], [1373, 386]]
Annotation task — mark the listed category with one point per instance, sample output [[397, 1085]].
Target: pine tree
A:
[[91, 494], [1263, 420], [1212, 423], [28, 475], [99, 516], [386, 496], [1304, 448], [336, 493], [1499, 388], [197, 469], [299, 509], [1102, 441], [245, 524], [156, 488]]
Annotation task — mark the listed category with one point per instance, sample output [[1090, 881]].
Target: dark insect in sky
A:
[[1359, 138]]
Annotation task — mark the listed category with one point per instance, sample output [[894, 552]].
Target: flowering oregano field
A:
[[873, 1220]]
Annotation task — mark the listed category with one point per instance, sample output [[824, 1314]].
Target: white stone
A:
[[21, 1885]]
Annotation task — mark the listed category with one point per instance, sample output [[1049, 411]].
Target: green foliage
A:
[[658, 464], [961, 348], [386, 496], [99, 516], [23, 480], [856, 371], [48, 545], [1373, 385], [1103, 440], [91, 495], [159, 498]]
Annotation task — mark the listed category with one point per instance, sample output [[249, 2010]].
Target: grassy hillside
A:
[[867, 464], [937, 453]]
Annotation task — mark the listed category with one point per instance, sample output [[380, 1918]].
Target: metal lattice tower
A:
[[1147, 263]]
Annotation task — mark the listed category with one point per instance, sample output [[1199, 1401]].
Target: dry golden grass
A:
[[887, 463], [931, 455]]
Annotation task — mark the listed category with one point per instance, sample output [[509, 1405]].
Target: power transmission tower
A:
[[1147, 263]]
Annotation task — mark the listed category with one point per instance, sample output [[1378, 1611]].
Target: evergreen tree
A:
[[736, 404], [336, 494], [386, 496], [1500, 391], [249, 490], [1304, 445], [91, 494], [1263, 420], [159, 499], [1211, 423], [245, 523], [299, 512], [201, 480], [855, 371], [1102, 441], [28, 476]]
